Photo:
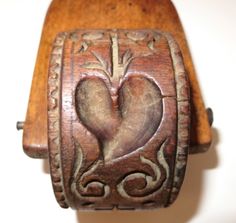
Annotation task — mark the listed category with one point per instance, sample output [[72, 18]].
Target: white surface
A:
[[209, 191]]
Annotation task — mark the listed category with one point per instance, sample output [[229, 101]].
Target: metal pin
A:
[[210, 116], [20, 125]]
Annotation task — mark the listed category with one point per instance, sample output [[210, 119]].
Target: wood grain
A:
[[99, 14], [119, 118]]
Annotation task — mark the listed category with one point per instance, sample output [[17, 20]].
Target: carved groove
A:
[[151, 184], [183, 124], [81, 190], [54, 83]]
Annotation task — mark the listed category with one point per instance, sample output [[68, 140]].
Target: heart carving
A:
[[124, 122]]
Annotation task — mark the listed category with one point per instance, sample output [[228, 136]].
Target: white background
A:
[[209, 190]]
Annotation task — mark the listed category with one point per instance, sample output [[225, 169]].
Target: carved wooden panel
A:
[[118, 119]]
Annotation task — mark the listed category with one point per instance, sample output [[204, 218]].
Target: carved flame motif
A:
[[123, 113]]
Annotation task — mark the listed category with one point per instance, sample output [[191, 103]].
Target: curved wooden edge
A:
[[95, 14]]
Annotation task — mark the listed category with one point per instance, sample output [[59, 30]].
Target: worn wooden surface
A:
[[72, 14], [118, 119]]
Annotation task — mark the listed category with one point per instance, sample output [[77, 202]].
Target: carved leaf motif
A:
[[127, 56], [151, 44], [92, 66], [101, 65], [101, 60]]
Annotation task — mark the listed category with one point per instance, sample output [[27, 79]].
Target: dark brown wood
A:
[[118, 119], [99, 14]]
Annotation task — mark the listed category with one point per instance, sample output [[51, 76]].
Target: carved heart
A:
[[122, 125]]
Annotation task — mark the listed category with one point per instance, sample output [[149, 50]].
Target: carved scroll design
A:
[[80, 189], [116, 81], [54, 128], [151, 182]]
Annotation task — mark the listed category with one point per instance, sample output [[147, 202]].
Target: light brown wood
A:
[[68, 15]]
